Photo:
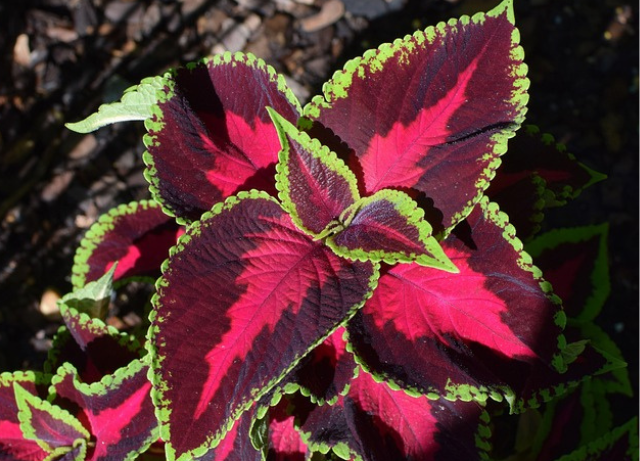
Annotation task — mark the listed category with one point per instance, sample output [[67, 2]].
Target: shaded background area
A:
[[62, 58]]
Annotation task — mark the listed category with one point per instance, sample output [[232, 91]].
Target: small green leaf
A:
[[136, 104], [92, 299]]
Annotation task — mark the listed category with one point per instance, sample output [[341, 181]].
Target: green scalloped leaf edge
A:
[[94, 236], [319, 151], [162, 414], [481, 394], [337, 88], [156, 120], [586, 452], [600, 275], [98, 388], [408, 208], [25, 400], [63, 334], [135, 104], [342, 449], [568, 192]]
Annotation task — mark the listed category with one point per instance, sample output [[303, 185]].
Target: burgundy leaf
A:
[[315, 185], [375, 422], [328, 369], [92, 347], [524, 202], [284, 442], [532, 153], [53, 428], [388, 226], [119, 411], [137, 235], [244, 296], [13, 445], [434, 111], [211, 135], [575, 262], [423, 331]]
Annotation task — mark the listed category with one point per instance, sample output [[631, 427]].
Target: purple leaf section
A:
[[244, 296], [211, 136], [119, 411], [388, 226], [328, 369], [137, 235], [433, 111], [284, 441], [92, 347], [13, 445], [532, 153], [423, 331], [375, 422], [51, 426], [315, 186]]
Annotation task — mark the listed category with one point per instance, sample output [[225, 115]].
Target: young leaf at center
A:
[[315, 185]]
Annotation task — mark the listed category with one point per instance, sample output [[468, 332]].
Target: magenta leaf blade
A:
[[138, 235], [423, 332], [315, 185], [433, 111], [118, 409], [243, 297], [13, 444], [52, 427], [375, 422], [207, 140]]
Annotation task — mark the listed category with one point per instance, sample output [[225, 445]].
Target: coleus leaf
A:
[[327, 371], [491, 339], [377, 422], [13, 444], [321, 194], [53, 428], [137, 235], [253, 294], [388, 226], [433, 111], [94, 348], [620, 444], [315, 186], [118, 409], [93, 298], [575, 262], [207, 140], [533, 153], [136, 104]]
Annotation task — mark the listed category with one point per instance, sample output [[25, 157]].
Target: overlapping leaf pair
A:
[[343, 281]]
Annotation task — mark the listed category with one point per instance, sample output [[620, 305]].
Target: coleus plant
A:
[[337, 280]]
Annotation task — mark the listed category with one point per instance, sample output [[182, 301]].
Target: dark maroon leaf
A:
[[13, 445], [53, 428], [315, 185], [388, 226], [92, 347], [328, 369], [434, 111], [575, 262], [422, 330], [137, 235], [532, 153], [244, 296], [119, 411], [375, 422], [211, 135]]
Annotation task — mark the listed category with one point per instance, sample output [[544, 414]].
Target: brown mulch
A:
[[62, 58]]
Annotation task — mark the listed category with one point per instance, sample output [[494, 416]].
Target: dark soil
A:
[[62, 58]]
